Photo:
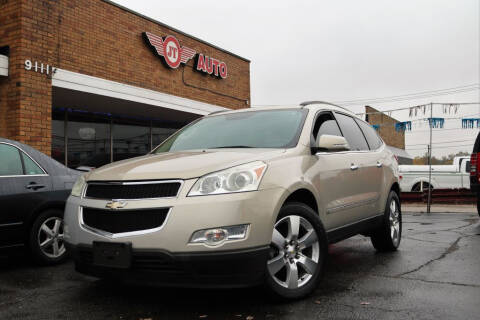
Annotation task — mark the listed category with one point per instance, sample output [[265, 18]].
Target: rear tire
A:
[[298, 252], [478, 203], [46, 238], [387, 237]]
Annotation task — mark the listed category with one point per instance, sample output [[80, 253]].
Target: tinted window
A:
[[329, 127], [325, 124], [467, 166], [251, 129], [373, 139], [30, 166], [10, 162], [351, 132]]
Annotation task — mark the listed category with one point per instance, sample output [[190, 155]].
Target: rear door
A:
[[365, 180], [23, 184], [374, 167]]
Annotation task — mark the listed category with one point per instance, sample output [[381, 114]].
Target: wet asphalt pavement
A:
[[434, 275]]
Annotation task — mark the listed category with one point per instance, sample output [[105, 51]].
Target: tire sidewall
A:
[[393, 196], [311, 216], [33, 244]]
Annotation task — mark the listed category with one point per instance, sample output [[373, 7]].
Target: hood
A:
[[180, 165]]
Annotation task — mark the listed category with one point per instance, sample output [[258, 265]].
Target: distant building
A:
[[385, 126]]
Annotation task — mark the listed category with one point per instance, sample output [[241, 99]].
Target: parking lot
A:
[[434, 275]]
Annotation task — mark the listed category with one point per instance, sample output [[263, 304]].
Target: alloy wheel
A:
[[394, 220], [295, 252], [50, 238]]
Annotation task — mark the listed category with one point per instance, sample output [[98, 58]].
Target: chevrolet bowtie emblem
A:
[[115, 204]]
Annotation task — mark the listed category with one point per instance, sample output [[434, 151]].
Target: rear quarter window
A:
[[374, 141]]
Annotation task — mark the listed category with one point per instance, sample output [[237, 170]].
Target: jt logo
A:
[[172, 52]]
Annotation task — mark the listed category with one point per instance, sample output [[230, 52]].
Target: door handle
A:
[[353, 167], [34, 186], [379, 164]]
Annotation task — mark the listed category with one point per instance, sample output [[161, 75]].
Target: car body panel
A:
[[345, 198], [21, 203], [179, 165]]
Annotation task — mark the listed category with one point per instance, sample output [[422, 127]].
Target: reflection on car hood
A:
[[180, 165]]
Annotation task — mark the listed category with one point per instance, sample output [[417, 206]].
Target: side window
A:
[[326, 124], [467, 166], [351, 132], [30, 166], [373, 139], [10, 162]]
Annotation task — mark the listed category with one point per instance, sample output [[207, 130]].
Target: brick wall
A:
[[96, 38], [9, 92], [387, 128]]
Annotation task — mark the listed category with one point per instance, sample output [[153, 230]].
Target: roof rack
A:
[[219, 111], [306, 103]]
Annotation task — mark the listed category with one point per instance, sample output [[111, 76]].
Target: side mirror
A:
[[328, 142]]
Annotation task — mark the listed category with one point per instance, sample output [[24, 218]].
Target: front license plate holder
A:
[[112, 254]]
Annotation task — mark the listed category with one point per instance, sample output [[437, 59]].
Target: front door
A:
[[22, 187]]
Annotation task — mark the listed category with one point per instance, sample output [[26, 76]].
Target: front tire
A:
[[298, 252], [387, 237], [46, 238]]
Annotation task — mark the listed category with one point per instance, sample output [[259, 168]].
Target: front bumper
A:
[[239, 268], [186, 215]]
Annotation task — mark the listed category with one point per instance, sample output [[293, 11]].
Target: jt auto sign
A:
[[169, 49]]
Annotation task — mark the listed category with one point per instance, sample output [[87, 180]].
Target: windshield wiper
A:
[[231, 147]]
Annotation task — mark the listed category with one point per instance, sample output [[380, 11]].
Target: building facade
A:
[[385, 126], [89, 81]]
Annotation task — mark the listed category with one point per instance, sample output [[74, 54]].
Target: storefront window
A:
[[160, 134], [58, 136], [88, 143], [88, 140], [130, 139]]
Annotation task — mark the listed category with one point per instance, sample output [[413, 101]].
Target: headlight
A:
[[78, 187], [242, 178]]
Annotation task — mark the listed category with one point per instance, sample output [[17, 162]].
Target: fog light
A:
[[216, 236]]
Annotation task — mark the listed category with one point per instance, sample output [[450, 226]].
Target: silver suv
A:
[[238, 198]]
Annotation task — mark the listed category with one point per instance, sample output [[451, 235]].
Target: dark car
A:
[[33, 191], [475, 171]]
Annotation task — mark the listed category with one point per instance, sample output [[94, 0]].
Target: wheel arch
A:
[[56, 205], [395, 187], [304, 196]]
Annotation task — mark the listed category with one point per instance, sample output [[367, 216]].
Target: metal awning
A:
[[3, 65]]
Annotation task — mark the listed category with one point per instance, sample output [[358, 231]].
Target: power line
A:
[[411, 94], [440, 142], [408, 97], [420, 105]]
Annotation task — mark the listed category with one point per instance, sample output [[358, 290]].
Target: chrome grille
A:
[[132, 189], [123, 221]]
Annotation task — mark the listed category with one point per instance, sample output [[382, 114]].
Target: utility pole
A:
[[429, 199]]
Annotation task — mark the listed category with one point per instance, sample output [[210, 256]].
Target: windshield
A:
[[252, 129]]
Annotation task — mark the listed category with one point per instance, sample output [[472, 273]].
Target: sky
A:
[[346, 50]]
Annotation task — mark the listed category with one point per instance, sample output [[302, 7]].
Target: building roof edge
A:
[[173, 29]]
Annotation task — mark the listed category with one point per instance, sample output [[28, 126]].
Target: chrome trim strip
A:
[[11, 224], [352, 205], [32, 175], [121, 234], [25, 175], [132, 183]]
